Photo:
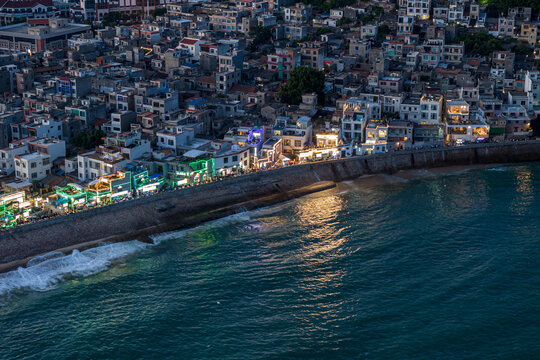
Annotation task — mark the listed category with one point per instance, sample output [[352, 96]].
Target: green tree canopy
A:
[[88, 139], [498, 6], [263, 35], [479, 44], [158, 12], [302, 80], [322, 31]]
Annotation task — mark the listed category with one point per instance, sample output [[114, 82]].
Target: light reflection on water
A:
[[444, 267]]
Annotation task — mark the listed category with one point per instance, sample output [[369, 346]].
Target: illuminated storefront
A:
[[71, 196]]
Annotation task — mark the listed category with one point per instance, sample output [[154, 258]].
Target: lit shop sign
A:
[[121, 193], [149, 187], [254, 137]]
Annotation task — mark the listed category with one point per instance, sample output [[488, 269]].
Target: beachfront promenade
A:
[[136, 195]]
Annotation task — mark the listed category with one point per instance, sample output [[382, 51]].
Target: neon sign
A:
[[254, 137]]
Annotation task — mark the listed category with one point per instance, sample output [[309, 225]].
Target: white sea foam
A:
[[497, 169], [234, 218], [47, 271]]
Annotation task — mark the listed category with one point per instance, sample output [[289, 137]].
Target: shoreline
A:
[[176, 210], [366, 182], [143, 235]]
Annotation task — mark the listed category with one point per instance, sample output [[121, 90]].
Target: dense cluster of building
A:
[[91, 114]]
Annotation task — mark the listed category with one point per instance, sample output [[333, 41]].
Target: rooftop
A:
[[21, 30]]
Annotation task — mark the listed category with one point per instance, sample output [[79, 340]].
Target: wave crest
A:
[[46, 271]]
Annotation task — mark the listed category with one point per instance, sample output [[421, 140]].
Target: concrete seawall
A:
[[187, 207]]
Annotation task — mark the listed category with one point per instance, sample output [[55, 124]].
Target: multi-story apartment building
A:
[[7, 155], [431, 107], [283, 61], [45, 127], [32, 167], [14, 11], [453, 53], [506, 26], [38, 35], [369, 32], [356, 113], [294, 135], [359, 48], [227, 21], [529, 33], [92, 165], [405, 24], [419, 8], [53, 148], [313, 54], [300, 13], [518, 122]]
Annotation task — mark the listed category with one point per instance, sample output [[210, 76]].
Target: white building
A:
[[431, 109], [7, 155], [92, 165], [235, 159], [40, 128], [418, 8], [356, 113], [192, 46], [54, 148], [130, 145], [32, 167], [174, 136], [294, 136]]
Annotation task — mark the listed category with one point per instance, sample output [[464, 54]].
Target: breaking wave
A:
[[47, 271], [498, 169]]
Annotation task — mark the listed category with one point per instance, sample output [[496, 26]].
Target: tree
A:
[[322, 31], [344, 21], [88, 139], [262, 35], [302, 80], [502, 6], [158, 12], [114, 18], [479, 44], [522, 49], [384, 30]]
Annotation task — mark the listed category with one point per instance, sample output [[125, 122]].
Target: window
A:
[[225, 160], [235, 158]]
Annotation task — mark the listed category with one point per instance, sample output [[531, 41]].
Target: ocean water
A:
[[443, 267]]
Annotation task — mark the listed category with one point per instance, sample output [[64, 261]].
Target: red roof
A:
[[16, 4], [38, 21], [188, 41], [48, 68], [243, 89]]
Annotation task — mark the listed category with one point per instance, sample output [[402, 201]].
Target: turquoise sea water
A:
[[445, 267]]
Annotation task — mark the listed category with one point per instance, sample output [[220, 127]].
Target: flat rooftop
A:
[[21, 30]]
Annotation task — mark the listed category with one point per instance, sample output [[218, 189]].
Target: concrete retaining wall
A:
[[172, 210]]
